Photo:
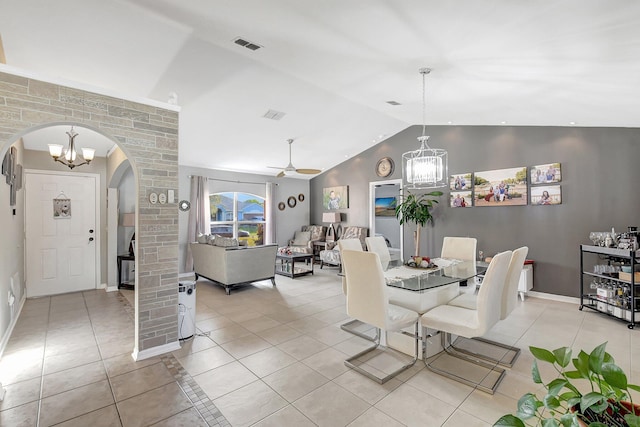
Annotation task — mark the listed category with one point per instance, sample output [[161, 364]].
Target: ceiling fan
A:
[[291, 168]]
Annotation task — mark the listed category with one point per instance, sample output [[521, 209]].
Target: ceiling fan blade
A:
[[277, 167], [308, 171], [280, 175]]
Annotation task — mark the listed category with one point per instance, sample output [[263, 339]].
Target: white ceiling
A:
[[331, 65]]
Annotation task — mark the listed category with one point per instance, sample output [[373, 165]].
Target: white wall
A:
[[11, 250]]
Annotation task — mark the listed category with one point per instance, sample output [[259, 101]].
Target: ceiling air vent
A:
[[273, 115], [393, 103], [246, 43]]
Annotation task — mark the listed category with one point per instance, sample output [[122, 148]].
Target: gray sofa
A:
[[231, 266]]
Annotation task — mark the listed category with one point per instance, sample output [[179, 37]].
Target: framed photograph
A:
[[334, 198], [461, 182], [386, 206], [61, 208], [546, 195], [460, 199], [546, 174], [501, 187]]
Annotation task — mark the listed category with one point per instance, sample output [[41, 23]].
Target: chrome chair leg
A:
[[346, 327], [488, 368], [386, 378], [508, 363]]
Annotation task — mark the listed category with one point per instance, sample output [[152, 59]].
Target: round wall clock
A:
[[385, 167], [184, 205], [291, 201], [281, 206]]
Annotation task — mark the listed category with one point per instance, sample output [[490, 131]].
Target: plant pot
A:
[[626, 409]]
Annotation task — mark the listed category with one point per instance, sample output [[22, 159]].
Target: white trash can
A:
[[186, 309]]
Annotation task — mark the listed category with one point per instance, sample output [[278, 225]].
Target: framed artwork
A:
[[545, 195], [334, 198], [546, 174], [61, 208], [501, 187], [386, 206], [461, 182], [291, 202], [7, 167], [460, 199]]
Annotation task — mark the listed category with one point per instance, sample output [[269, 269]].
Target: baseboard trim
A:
[[189, 275], [155, 351], [111, 288], [553, 297], [9, 331]]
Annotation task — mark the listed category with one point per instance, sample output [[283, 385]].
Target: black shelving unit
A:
[[591, 299]]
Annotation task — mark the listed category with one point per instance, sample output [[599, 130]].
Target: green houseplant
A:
[[606, 403], [417, 209]]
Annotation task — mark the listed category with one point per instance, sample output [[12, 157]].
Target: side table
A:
[[317, 247], [124, 257]]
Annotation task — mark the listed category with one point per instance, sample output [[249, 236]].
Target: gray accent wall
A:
[[599, 191]]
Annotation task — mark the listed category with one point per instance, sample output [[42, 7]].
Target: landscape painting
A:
[[501, 187], [386, 206]]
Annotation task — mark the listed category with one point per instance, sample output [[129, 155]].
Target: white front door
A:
[[60, 247]]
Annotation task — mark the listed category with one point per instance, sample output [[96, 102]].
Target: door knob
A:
[[91, 239], [91, 230]]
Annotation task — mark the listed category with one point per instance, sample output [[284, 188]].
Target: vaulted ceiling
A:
[[331, 66]]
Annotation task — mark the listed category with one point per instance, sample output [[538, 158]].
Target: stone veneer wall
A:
[[149, 137]]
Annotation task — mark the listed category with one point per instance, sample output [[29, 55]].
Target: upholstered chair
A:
[[509, 354], [463, 248], [302, 241], [331, 255], [470, 323], [378, 245], [367, 301]]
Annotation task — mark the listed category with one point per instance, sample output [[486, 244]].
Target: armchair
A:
[[302, 241], [331, 255]]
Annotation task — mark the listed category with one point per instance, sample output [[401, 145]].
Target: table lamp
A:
[[129, 220], [331, 218]]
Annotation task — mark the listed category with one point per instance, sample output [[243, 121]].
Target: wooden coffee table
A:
[[288, 267]]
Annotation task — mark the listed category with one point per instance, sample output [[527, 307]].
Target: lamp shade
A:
[[331, 217], [128, 220]]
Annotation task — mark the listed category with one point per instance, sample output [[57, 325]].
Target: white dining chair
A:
[[378, 245], [509, 301], [470, 323], [351, 325], [368, 302], [463, 248]]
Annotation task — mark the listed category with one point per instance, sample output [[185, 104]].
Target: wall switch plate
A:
[[171, 197]]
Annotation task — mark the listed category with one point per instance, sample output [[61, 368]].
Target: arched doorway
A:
[[147, 133]]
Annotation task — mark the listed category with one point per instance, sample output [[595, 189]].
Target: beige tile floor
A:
[[265, 357]]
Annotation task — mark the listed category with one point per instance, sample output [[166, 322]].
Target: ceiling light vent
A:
[[274, 115], [246, 43], [393, 103]]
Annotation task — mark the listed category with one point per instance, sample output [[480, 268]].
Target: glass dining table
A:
[[421, 289]]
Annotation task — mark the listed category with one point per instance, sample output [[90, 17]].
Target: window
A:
[[239, 215]]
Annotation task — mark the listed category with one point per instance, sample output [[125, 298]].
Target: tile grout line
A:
[[198, 398]]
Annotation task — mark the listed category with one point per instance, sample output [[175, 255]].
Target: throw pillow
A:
[[301, 238], [211, 239], [226, 241], [202, 238]]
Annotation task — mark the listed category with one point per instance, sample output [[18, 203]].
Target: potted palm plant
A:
[[606, 402], [417, 209]]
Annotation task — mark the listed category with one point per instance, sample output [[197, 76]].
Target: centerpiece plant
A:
[[606, 400], [417, 209]]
